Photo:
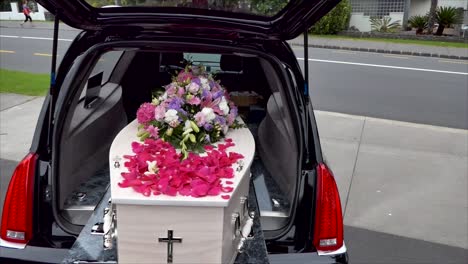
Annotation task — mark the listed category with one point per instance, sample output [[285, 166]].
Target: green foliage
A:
[[418, 22], [335, 21], [268, 7], [384, 24], [447, 16], [99, 3]]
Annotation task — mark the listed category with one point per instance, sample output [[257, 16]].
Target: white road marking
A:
[[385, 66], [453, 61], [395, 56], [344, 52], [39, 38], [43, 54], [7, 51], [8, 36]]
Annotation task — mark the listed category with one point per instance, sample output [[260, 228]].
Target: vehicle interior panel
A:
[[273, 169], [88, 135]]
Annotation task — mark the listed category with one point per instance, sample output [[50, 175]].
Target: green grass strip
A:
[[433, 43], [23, 82]]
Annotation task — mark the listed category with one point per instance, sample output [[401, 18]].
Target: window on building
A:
[[377, 8], [5, 6]]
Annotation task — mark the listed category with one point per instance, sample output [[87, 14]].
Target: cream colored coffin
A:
[[207, 226]]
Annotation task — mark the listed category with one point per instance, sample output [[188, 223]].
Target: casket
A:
[[180, 229]]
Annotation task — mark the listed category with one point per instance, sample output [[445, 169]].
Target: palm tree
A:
[[447, 16], [431, 16], [418, 22]]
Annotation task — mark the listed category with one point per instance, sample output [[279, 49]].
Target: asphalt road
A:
[[414, 89], [425, 90]]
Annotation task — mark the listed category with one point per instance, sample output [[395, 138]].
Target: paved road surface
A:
[[414, 89]]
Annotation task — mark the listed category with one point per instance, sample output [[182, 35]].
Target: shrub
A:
[[418, 22], [447, 16], [384, 24], [335, 21]]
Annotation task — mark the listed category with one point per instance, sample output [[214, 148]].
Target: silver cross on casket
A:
[[170, 240]]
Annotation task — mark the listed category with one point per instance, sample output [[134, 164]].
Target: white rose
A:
[[208, 113], [193, 88], [224, 106], [170, 115], [205, 83]]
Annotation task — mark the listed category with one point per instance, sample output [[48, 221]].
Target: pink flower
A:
[[230, 118], [154, 131], [180, 92], [145, 113], [194, 101], [171, 89], [159, 112], [184, 76], [174, 123], [200, 119], [195, 176]]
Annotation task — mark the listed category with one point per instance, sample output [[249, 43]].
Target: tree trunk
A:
[[432, 13], [440, 30]]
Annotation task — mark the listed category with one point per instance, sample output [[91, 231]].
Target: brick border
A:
[[399, 52]]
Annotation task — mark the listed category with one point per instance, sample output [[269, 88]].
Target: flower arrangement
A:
[[193, 111], [156, 168]]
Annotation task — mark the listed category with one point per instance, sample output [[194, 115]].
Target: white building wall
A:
[[419, 7], [454, 3], [361, 22], [15, 14]]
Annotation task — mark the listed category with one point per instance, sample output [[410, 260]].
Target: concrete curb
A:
[[398, 52]]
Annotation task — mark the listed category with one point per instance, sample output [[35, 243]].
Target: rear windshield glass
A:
[[255, 7]]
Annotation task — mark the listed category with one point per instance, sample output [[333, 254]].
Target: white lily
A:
[[152, 167]]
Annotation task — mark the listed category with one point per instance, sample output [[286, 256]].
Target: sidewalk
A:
[[37, 25], [395, 178], [399, 178], [382, 47]]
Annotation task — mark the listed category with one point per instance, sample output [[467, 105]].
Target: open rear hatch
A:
[[276, 19]]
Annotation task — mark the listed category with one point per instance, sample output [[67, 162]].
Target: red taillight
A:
[[328, 230], [17, 218]]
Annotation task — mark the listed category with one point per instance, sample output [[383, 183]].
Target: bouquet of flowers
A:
[[194, 110]]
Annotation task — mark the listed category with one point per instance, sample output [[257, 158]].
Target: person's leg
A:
[[25, 19]]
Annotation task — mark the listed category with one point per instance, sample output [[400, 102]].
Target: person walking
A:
[[27, 13]]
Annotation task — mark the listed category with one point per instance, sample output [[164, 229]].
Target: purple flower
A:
[[212, 84], [197, 81], [176, 103], [205, 93], [145, 113], [233, 111], [207, 138], [208, 127], [218, 94], [220, 120]]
